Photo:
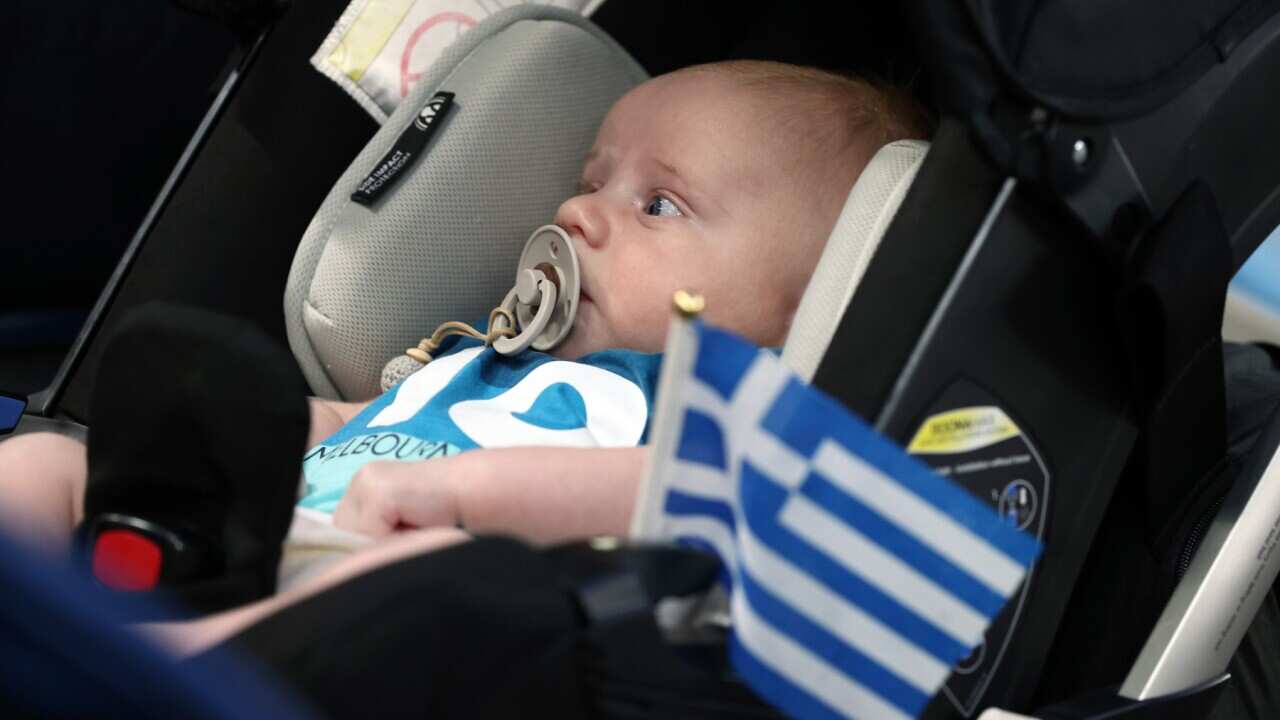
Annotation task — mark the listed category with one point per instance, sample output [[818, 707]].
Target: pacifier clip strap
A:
[[428, 345]]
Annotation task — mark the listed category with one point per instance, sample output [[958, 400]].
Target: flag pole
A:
[[677, 362]]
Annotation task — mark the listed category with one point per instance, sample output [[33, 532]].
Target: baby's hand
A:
[[388, 496]]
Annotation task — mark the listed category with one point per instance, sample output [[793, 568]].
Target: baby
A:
[[723, 179]]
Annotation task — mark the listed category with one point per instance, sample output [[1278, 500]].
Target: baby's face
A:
[[683, 190]]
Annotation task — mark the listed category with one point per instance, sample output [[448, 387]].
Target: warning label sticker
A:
[[967, 436], [962, 430]]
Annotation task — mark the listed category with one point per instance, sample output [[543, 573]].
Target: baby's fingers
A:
[[369, 506]]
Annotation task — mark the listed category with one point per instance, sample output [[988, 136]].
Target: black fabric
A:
[[1086, 60], [199, 423], [99, 98], [494, 628], [1190, 704], [244, 17], [1129, 576], [460, 632], [1104, 58], [935, 207], [963, 79], [631, 672], [227, 238], [1172, 308], [1157, 98], [866, 38]]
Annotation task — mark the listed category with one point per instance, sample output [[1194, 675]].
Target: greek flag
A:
[[857, 577]]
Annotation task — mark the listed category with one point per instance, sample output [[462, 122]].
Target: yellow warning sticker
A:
[[962, 430]]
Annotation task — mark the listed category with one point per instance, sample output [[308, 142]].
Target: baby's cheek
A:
[[647, 314], [752, 308], [649, 323]]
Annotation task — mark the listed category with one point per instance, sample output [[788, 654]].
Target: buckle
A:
[[130, 554]]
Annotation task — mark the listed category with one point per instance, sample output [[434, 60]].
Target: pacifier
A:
[[537, 312], [545, 297]]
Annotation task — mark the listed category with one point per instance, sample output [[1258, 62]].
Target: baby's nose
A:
[[581, 219]]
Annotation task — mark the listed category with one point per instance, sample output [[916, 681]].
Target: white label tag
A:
[[380, 48]]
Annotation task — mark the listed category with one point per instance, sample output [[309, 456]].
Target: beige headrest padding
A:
[[867, 213]]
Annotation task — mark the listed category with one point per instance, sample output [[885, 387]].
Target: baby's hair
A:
[[842, 116]]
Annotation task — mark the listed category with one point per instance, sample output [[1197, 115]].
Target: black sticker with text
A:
[[971, 437], [405, 152]]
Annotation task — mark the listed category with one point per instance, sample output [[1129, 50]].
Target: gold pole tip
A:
[[688, 304]]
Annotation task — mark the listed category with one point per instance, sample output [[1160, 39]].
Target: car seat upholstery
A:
[[532, 85], [367, 282], [871, 206]]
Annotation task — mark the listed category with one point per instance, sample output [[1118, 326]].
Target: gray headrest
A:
[[531, 85]]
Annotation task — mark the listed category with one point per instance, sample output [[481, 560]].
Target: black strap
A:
[[199, 420], [1171, 314], [495, 628]]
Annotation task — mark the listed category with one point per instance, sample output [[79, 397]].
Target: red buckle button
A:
[[124, 560]]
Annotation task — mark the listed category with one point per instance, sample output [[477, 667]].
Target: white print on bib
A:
[[616, 409], [418, 389]]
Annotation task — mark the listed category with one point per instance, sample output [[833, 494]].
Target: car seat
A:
[[1015, 285], [1033, 285], [1070, 382]]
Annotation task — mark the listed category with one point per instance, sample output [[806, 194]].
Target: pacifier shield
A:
[[550, 245]]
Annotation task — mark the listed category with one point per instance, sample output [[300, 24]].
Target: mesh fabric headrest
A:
[[872, 204], [531, 85]]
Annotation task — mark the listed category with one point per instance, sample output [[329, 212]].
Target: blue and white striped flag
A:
[[857, 576]]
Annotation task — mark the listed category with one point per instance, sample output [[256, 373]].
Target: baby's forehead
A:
[[692, 102], [709, 132]]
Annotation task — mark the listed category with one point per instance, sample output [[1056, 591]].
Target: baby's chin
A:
[[592, 333], [578, 344], [575, 348], [589, 334]]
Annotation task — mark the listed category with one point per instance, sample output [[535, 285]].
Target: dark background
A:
[[99, 97]]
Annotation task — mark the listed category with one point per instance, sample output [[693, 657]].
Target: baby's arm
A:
[[548, 494], [328, 416], [543, 494]]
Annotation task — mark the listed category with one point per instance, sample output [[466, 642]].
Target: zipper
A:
[[1196, 535]]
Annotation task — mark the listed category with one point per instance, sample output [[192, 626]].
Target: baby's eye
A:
[[585, 187], [660, 206]]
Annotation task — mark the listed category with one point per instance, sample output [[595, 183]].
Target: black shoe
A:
[[197, 427]]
